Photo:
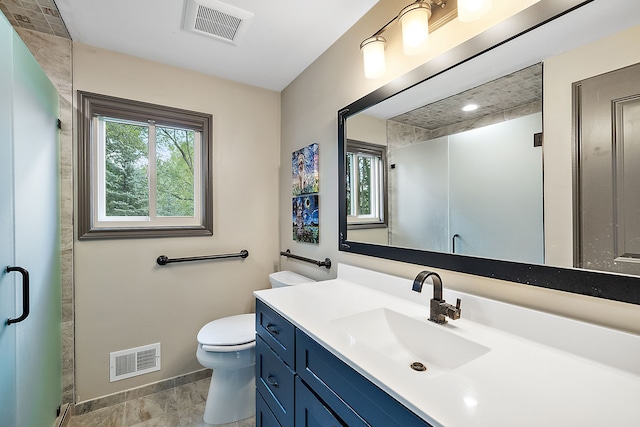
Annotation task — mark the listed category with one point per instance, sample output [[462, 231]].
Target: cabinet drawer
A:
[[310, 411], [264, 416], [275, 383], [350, 395], [276, 331]]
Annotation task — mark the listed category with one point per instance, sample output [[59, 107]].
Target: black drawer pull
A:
[[272, 381], [273, 329]]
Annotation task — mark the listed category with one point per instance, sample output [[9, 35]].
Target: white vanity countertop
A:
[[523, 380]]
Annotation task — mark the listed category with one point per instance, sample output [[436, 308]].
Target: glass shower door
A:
[[37, 238], [7, 281], [30, 351]]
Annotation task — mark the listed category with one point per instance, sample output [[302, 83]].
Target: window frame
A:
[[381, 219], [91, 105]]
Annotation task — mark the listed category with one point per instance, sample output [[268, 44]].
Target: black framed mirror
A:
[[540, 31]]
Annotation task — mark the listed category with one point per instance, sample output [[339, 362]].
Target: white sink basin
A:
[[405, 340]]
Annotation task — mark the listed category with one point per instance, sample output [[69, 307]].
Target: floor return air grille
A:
[[134, 361]]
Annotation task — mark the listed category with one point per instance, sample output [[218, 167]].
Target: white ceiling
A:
[[282, 39]]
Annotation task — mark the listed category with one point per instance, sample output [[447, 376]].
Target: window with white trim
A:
[[145, 170], [366, 185]]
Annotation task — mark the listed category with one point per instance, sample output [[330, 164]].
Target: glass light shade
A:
[[414, 20], [470, 10], [373, 56]]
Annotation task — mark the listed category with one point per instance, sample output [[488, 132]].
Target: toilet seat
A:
[[227, 348], [237, 331]]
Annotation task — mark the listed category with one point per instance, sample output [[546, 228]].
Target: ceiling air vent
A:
[[215, 19]]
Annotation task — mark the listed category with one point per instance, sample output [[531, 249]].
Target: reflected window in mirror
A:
[[366, 184]]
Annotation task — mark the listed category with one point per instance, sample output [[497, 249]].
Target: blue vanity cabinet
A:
[[300, 383]]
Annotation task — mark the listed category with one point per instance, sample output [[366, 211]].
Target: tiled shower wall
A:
[[53, 53], [36, 15]]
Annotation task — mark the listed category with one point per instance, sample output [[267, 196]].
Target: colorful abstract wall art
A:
[[304, 170], [305, 218], [305, 187]]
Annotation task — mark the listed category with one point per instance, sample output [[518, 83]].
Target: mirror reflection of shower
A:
[[473, 174]]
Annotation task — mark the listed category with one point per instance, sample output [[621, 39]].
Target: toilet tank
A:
[[287, 278]]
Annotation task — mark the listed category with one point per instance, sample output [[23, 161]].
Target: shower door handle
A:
[[453, 243], [25, 294]]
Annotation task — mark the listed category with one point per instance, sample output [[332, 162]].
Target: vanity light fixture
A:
[[373, 54], [414, 20]]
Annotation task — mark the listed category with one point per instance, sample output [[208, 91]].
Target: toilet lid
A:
[[232, 330]]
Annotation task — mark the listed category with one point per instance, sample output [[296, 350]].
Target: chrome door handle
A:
[[25, 294]]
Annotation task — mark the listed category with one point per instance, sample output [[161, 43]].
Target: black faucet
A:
[[440, 309]]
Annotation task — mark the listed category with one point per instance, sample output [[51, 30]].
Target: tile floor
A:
[[181, 406]]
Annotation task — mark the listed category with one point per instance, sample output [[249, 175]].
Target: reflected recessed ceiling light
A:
[[471, 402], [470, 10], [470, 107]]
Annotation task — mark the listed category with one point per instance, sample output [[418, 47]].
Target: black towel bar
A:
[[326, 263], [163, 259]]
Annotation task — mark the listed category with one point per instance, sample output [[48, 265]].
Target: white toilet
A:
[[227, 346]]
